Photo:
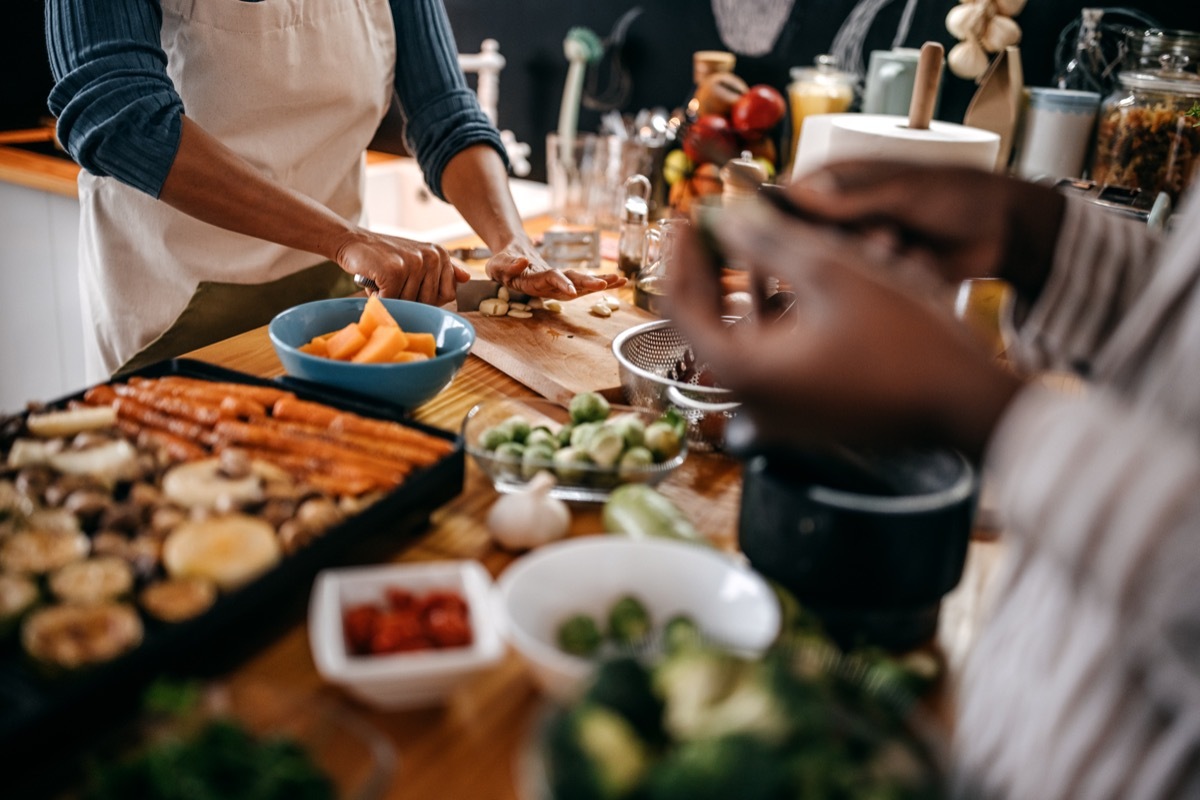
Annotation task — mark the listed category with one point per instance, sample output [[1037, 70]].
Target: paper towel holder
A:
[[925, 86]]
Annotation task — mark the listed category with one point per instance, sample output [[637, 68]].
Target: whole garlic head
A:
[[1009, 8], [530, 518], [967, 20], [967, 60], [1000, 33]]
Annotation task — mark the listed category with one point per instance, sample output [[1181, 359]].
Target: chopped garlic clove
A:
[[601, 310], [518, 314], [493, 307]]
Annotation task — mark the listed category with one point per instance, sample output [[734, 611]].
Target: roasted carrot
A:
[[228, 405], [192, 410], [344, 422], [267, 438], [102, 395], [293, 409], [264, 394], [176, 447], [130, 409]]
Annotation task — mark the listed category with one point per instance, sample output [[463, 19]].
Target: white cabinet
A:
[[41, 332]]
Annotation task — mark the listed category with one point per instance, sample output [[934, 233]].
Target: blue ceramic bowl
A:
[[407, 385]]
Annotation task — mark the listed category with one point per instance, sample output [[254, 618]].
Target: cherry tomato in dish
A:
[[448, 627], [358, 622]]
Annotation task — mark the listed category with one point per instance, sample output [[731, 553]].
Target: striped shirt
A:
[[120, 116], [1085, 683]]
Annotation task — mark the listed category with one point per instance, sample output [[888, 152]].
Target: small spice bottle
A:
[[635, 213]]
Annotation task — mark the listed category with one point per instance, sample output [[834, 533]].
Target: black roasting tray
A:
[[39, 715]]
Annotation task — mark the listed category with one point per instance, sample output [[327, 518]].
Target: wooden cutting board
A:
[[559, 355]]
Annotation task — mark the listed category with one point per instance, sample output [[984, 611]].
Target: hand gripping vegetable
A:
[[530, 518]]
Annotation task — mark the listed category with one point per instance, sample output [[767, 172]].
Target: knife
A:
[[468, 295]]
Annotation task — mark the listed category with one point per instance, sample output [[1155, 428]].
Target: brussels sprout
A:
[[634, 462], [571, 464], [628, 621], [565, 433], [588, 407], [663, 441], [508, 459], [541, 435], [579, 635], [493, 437], [583, 433], [605, 446], [517, 426], [631, 428], [536, 458], [680, 633]]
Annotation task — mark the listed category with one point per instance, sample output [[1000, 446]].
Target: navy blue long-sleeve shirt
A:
[[119, 114]]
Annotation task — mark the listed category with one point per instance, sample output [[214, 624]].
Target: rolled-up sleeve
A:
[[118, 113], [441, 113]]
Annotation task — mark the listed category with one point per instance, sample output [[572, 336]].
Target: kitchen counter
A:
[[34, 169], [472, 748]]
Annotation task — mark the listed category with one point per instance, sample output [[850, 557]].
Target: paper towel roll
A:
[[836, 137]]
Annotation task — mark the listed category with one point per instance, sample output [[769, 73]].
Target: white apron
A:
[[297, 88]]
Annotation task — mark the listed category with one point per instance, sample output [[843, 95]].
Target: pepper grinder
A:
[[634, 217]]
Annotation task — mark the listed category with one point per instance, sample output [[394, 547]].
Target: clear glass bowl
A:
[[592, 484]]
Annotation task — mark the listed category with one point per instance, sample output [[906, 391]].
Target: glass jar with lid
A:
[[820, 89], [1147, 137]]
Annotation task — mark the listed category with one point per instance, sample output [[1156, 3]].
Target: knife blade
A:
[[470, 294], [467, 295]]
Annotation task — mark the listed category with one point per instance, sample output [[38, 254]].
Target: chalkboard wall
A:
[[657, 51]]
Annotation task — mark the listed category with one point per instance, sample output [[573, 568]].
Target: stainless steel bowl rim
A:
[[629, 333]]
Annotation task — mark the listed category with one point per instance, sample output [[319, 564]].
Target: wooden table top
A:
[[470, 749]]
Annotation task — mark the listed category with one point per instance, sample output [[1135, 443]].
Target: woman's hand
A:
[[966, 222], [869, 354], [402, 268], [519, 267]]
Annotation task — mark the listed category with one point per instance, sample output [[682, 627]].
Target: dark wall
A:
[[24, 70], [660, 43], [658, 49]]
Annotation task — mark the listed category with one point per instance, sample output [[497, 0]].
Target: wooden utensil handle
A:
[[925, 86]]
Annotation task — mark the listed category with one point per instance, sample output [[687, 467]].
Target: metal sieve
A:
[[659, 370]]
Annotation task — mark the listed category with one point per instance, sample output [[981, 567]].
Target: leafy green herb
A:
[[221, 761], [1194, 113]]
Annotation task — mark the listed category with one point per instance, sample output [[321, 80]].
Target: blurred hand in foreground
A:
[[967, 223], [870, 354]]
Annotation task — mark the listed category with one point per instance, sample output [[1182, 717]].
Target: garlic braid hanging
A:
[[983, 26]]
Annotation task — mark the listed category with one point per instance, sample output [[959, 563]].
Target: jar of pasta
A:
[[1147, 136]]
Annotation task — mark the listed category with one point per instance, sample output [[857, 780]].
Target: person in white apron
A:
[[280, 99]]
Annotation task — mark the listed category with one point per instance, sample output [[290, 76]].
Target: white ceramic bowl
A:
[[401, 680], [731, 604]]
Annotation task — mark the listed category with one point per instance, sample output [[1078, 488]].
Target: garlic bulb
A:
[[1000, 33], [530, 518], [967, 20], [967, 60], [1009, 8]]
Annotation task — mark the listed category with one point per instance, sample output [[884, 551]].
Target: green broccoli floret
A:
[[594, 755], [628, 621], [579, 635], [718, 769], [623, 685]]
